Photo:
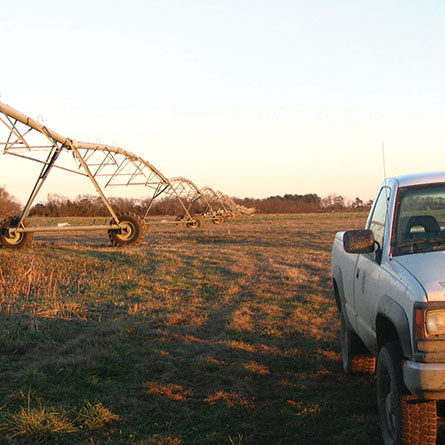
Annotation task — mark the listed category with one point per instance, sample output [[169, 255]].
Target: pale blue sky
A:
[[252, 97]]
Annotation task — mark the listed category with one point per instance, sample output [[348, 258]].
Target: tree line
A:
[[304, 203], [9, 206], [88, 205]]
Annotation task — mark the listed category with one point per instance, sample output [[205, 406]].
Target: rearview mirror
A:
[[359, 241]]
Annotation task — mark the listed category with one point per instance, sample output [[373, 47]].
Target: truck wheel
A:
[[356, 358], [132, 232], [16, 240], [404, 419]]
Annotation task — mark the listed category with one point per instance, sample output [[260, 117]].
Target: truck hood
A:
[[429, 270]]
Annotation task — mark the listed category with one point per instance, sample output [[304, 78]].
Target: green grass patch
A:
[[225, 335]]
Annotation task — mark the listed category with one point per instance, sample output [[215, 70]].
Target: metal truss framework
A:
[[105, 166], [188, 190], [217, 202], [234, 207]]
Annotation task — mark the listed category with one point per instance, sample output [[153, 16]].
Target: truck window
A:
[[377, 223], [420, 219]]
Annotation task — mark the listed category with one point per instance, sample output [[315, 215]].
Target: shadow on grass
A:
[[184, 342], [205, 382]]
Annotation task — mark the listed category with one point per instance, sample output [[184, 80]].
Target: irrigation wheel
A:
[[196, 223], [218, 219], [16, 240], [131, 233]]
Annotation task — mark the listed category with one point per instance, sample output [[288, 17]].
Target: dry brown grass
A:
[[169, 390], [231, 399], [224, 335]]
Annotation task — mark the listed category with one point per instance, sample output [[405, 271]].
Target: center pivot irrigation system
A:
[[106, 167], [198, 203]]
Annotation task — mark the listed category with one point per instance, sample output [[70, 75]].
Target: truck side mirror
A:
[[359, 241]]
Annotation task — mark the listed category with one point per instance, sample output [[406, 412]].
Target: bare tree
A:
[[9, 206]]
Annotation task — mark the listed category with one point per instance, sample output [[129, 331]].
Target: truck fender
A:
[[337, 283], [392, 324]]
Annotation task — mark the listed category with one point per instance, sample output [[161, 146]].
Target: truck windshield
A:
[[420, 220]]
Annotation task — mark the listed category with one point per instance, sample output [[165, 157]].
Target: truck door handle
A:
[[357, 273]]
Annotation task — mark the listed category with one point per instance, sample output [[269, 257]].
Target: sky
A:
[[252, 97]]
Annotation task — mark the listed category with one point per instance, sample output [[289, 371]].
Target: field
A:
[[225, 335]]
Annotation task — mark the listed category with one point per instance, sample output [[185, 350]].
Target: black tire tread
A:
[[140, 228], [418, 418], [356, 358]]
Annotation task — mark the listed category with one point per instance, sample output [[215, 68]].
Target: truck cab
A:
[[389, 286]]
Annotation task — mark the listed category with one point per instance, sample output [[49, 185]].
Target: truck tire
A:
[[404, 419], [356, 358]]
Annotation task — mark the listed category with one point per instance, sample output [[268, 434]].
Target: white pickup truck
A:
[[389, 285]]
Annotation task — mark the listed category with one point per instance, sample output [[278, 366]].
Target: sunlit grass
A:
[[35, 422], [221, 335], [95, 416]]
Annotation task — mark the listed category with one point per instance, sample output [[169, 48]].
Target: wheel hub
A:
[[126, 231], [13, 236]]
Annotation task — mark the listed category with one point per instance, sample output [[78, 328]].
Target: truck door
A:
[[368, 272]]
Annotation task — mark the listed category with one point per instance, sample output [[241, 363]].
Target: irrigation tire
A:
[[196, 223], [218, 219], [404, 419], [131, 234], [356, 358], [16, 240]]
